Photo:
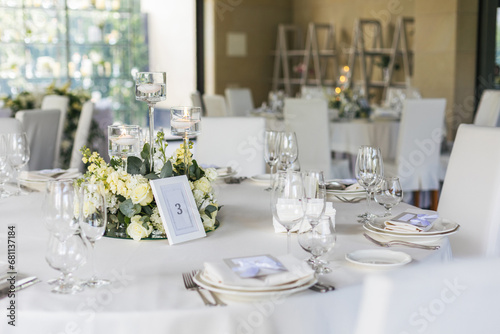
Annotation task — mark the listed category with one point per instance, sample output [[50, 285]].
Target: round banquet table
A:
[[148, 296], [348, 136]]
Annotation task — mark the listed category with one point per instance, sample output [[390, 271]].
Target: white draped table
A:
[[148, 295]]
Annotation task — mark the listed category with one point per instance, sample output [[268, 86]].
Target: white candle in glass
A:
[[149, 88]]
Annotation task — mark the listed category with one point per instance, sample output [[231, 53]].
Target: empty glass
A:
[[18, 155], [318, 240], [389, 194], [287, 201], [369, 172], [271, 151], [289, 150], [58, 208], [123, 142], [315, 195], [4, 166]]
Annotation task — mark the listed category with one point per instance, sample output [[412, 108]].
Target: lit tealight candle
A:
[[149, 88], [125, 140]]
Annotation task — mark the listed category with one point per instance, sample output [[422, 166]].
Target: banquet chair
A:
[[393, 94], [417, 161], [471, 191], [62, 103], [10, 125], [308, 118], [196, 100], [488, 110], [236, 142], [434, 298], [81, 135], [215, 105], [41, 127], [239, 101]]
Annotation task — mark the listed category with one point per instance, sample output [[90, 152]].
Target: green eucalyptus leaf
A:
[[147, 210], [210, 209], [129, 209], [134, 165], [151, 176], [145, 151], [167, 170]]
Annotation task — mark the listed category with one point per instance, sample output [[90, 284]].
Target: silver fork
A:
[[400, 243], [352, 200], [191, 285], [218, 302]]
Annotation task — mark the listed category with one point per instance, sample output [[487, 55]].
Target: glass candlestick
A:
[[151, 87], [185, 122], [123, 141]]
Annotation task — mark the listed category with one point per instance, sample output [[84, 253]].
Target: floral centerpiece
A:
[[132, 210]]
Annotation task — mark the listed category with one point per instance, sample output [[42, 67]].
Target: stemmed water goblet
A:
[[369, 172], [288, 201], [123, 142], [317, 239], [18, 152], [389, 194], [58, 208], [289, 150], [151, 87], [93, 219], [271, 152]]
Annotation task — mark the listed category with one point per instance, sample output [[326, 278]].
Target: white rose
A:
[[136, 231], [198, 195], [211, 174], [142, 194], [208, 223], [203, 184]]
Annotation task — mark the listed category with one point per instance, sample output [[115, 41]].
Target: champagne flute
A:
[[151, 87], [271, 151], [369, 172], [389, 194], [288, 201], [289, 151], [4, 166], [18, 155], [93, 219], [318, 240], [66, 255], [315, 195]]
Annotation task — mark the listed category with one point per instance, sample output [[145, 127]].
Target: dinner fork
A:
[[352, 200], [400, 243], [191, 285], [218, 302]]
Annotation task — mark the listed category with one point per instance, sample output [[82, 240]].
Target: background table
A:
[[148, 294]]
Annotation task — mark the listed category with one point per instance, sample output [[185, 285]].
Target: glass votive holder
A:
[[185, 121], [124, 141]]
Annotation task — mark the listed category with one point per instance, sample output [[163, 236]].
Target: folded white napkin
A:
[[329, 211], [50, 174], [221, 273], [409, 222], [354, 187]]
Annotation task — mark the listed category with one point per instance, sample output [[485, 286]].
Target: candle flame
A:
[[337, 90], [346, 68], [186, 113]]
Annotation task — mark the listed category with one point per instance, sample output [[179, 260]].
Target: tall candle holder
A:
[[185, 122], [123, 141], [151, 87]]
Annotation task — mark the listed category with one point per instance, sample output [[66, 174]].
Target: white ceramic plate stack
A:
[[252, 292], [345, 195], [264, 179], [378, 258], [225, 172]]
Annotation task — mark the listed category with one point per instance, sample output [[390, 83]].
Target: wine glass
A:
[[288, 201], [4, 166], [318, 240], [369, 172], [123, 142], [66, 255], [271, 151], [18, 155], [151, 87], [389, 194], [315, 195], [289, 150], [58, 208], [93, 221]]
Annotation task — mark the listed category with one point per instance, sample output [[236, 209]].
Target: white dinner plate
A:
[[421, 238], [441, 226], [378, 258], [261, 178], [223, 173], [251, 295], [350, 193]]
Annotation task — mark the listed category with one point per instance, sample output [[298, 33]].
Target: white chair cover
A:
[[215, 105], [81, 135], [488, 111], [453, 297], [417, 161], [61, 103], [196, 99], [236, 142], [308, 118], [41, 127], [5, 112], [239, 101], [393, 95], [471, 191], [10, 125]]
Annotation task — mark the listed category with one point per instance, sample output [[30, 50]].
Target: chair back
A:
[[215, 105], [419, 144], [239, 101], [196, 99], [308, 118], [432, 298], [488, 111], [471, 191], [236, 142], [41, 127], [81, 135], [10, 125], [61, 103]]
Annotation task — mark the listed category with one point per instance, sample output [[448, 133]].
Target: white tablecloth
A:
[[148, 295], [347, 137]]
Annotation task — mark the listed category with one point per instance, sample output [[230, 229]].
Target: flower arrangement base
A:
[[155, 235]]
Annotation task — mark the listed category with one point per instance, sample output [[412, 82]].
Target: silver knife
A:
[[19, 285]]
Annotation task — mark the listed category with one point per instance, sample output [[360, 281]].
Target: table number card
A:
[[177, 207]]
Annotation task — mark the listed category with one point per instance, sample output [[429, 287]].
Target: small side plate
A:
[[378, 258]]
